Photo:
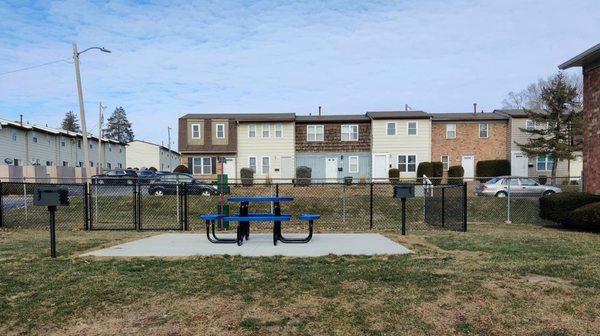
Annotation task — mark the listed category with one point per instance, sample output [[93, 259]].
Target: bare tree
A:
[[531, 97]]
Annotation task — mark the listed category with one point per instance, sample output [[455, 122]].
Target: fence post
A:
[[186, 218], [86, 208], [508, 221], [465, 206], [276, 189], [139, 205], [135, 209], [371, 206], [1, 206], [443, 206]]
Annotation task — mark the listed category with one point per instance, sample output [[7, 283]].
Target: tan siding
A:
[[273, 147]]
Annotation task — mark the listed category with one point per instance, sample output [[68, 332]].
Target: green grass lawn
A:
[[497, 279]]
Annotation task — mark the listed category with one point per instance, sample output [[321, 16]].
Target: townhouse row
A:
[[362, 146]]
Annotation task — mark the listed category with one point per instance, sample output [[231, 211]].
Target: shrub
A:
[[433, 170], [303, 175], [152, 169], [394, 175], [424, 168], [558, 207], [456, 174], [181, 169], [247, 176], [586, 217], [490, 168]]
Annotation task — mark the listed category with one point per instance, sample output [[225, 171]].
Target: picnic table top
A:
[[257, 199]]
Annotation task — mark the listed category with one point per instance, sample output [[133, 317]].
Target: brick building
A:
[[463, 139], [589, 60], [334, 146]]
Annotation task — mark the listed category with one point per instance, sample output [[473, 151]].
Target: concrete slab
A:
[[259, 245]]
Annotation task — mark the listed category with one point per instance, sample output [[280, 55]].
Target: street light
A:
[[85, 149]]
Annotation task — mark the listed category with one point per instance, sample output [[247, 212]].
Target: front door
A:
[[519, 165], [286, 167], [229, 168], [380, 167], [331, 169], [468, 164]]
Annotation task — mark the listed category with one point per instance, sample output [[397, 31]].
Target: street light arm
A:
[[99, 48]]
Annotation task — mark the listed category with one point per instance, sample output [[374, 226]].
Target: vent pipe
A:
[[319, 110], [474, 108], [21, 119]]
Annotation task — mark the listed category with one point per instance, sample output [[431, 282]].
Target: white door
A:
[[380, 167], [286, 167], [229, 168], [331, 169], [468, 164], [519, 164]]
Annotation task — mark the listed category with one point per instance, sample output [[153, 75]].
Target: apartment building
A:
[[520, 163], [23, 144], [334, 146], [144, 155], [400, 139], [463, 139]]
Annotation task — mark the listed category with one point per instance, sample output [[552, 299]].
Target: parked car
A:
[[166, 184], [499, 187], [147, 176], [117, 176]]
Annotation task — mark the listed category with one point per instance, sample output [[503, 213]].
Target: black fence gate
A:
[[445, 206]]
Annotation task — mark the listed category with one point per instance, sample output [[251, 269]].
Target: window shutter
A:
[[190, 166], [213, 161]]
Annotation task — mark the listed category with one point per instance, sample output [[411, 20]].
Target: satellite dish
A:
[[8, 161]]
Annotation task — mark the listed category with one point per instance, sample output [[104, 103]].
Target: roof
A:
[[514, 113], [244, 117], [51, 130], [153, 144], [398, 115], [467, 116], [333, 118], [587, 57]]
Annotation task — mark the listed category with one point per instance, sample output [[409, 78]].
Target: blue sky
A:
[[169, 59]]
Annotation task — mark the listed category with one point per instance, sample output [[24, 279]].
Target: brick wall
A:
[[332, 139], [591, 131], [467, 142]]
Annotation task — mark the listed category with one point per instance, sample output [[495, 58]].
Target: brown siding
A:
[[208, 146], [332, 139], [467, 141], [591, 131]]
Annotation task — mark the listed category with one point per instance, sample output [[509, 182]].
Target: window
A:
[[49, 140], [220, 131], [265, 131], [529, 124], [35, 162], [278, 130], [314, 133], [13, 135], [80, 164], [407, 163], [266, 165], [349, 132], [78, 143], [120, 149], [49, 163], [450, 131], [91, 164], [65, 163], [411, 128], [109, 165], [445, 162], [251, 131], [110, 147], [62, 143], [34, 137], [195, 131], [252, 163], [390, 128], [120, 165], [91, 145], [483, 130], [202, 165], [16, 162], [353, 164], [528, 182], [544, 163]]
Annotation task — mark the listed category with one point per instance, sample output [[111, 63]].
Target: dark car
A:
[[117, 176], [147, 176], [167, 184]]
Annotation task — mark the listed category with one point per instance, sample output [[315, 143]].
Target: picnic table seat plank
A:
[[260, 199]]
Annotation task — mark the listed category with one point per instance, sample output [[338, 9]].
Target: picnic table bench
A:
[[244, 217]]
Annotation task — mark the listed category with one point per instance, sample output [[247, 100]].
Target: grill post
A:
[[403, 216]]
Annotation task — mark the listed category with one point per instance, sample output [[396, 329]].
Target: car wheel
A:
[[158, 192], [548, 192], [206, 192], [501, 194]]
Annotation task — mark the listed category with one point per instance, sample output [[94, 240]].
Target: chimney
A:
[[21, 119], [474, 108], [319, 111]]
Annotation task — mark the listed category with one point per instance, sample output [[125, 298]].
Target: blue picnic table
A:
[[245, 217]]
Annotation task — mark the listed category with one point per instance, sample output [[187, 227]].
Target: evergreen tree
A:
[[557, 126], [118, 127], [70, 122]]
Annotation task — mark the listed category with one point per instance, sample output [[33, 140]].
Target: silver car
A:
[[519, 186]]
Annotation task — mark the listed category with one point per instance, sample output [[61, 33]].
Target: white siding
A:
[[401, 143], [272, 147], [10, 149]]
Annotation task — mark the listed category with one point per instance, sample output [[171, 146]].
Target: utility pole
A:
[[100, 122], [85, 148], [170, 153]]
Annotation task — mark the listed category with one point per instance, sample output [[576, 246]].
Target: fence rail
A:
[[354, 207]]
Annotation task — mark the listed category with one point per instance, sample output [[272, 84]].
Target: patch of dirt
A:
[[546, 281]]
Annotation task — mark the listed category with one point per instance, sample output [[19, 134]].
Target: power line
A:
[[34, 66]]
